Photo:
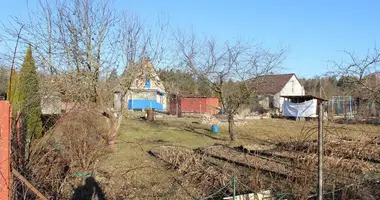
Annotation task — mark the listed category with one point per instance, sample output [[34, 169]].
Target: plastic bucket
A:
[[214, 128]]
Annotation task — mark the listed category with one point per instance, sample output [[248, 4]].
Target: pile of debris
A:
[[209, 119]]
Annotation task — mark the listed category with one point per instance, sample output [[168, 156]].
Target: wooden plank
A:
[[28, 184], [5, 130]]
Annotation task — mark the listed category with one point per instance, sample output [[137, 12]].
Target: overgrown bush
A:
[[83, 136], [73, 146]]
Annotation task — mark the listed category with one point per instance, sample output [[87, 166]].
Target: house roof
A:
[[271, 84], [303, 97], [137, 73]]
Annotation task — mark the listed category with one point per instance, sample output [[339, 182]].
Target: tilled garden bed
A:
[[283, 167]]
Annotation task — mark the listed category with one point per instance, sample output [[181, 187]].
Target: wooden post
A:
[[20, 141], [345, 109], [234, 188], [176, 105], [29, 185], [5, 132], [18, 132], [179, 107], [350, 102], [320, 152], [150, 114]]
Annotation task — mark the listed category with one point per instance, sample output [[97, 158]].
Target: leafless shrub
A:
[[48, 168], [74, 145], [83, 136]]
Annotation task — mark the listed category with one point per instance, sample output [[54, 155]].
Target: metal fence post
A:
[[234, 187], [320, 152], [350, 101], [5, 130]]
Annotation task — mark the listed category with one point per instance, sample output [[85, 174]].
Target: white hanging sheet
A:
[[304, 109]]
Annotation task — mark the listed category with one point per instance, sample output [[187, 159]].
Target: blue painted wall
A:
[[143, 104]]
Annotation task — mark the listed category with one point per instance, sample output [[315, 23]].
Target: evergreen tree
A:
[[3, 80], [13, 93], [29, 96]]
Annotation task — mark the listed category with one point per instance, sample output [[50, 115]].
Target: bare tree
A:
[[361, 76], [229, 67], [361, 71], [78, 42]]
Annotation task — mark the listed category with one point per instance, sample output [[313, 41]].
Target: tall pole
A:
[[320, 87], [234, 188], [351, 106], [320, 152], [19, 142]]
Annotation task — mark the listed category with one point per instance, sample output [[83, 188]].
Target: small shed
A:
[[193, 104], [301, 106], [271, 87], [51, 104]]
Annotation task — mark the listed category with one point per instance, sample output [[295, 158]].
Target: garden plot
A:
[[366, 150], [265, 164]]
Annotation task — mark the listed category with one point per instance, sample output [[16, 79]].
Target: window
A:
[[147, 81], [292, 86]]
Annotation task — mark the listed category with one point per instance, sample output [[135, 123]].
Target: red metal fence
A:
[[5, 131], [194, 105], [5, 156]]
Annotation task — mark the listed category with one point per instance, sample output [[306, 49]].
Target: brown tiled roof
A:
[[270, 84]]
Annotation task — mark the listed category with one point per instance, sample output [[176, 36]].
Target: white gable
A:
[[293, 87]]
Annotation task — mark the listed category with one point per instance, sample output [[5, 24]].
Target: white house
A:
[[270, 88]]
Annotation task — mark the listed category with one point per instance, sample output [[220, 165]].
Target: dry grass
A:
[[131, 163], [145, 177], [287, 130]]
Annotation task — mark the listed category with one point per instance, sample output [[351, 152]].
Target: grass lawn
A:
[[137, 137]]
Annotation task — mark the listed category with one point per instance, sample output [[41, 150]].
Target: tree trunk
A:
[[95, 84], [115, 122], [112, 133], [231, 129]]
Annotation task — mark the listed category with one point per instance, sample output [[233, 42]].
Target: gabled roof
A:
[[137, 73], [270, 84], [302, 98]]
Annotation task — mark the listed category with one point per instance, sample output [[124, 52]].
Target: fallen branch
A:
[[28, 184]]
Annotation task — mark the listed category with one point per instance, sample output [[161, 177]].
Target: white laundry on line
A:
[[304, 109]]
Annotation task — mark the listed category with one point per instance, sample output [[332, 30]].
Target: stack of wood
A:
[[209, 119]]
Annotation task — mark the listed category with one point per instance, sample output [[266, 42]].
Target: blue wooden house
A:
[[147, 90]]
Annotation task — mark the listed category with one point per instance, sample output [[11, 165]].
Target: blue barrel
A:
[[214, 128]]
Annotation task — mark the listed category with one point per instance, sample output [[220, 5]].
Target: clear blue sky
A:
[[314, 31]]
